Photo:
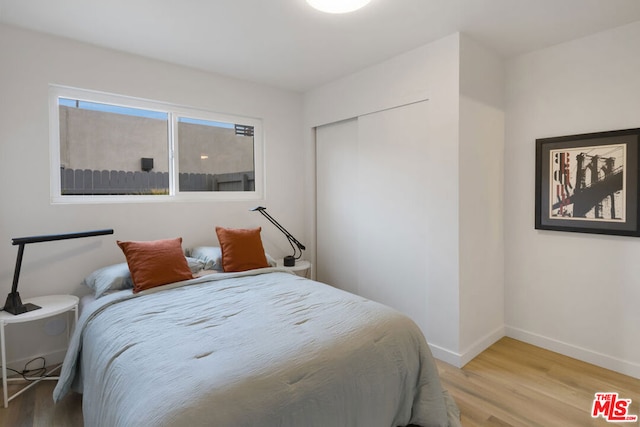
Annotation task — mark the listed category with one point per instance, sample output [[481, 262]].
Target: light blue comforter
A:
[[268, 349]]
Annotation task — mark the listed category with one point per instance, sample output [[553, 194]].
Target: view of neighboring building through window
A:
[[216, 153], [100, 144], [140, 148]]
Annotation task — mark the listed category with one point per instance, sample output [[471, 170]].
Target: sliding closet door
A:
[[337, 209], [373, 206], [393, 198]]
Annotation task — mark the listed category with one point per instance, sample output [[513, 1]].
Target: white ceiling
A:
[[285, 43]]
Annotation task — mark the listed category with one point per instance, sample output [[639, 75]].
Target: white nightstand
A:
[[50, 306], [302, 267]]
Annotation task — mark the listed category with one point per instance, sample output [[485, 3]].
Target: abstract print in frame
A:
[[588, 183]]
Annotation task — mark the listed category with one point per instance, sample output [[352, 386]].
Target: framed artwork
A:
[[589, 183]]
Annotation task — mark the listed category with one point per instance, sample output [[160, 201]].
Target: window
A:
[[116, 148], [215, 156]]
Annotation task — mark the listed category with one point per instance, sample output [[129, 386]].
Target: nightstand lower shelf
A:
[[49, 306]]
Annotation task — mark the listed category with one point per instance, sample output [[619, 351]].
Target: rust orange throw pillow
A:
[[156, 262], [241, 249]]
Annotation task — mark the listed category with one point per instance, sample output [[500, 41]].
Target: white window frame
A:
[[173, 111]]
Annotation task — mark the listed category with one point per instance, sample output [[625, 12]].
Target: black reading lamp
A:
[[14, 304], [289, 260]]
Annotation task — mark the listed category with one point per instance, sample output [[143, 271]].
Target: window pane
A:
[[112, 150], [215, 156]]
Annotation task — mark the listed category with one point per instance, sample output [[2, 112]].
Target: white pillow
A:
[[212, 257], [111, 278]]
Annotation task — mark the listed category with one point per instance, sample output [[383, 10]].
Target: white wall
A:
[[32, 61], [427, 72], [481, 157], [573, 293], [457, 300]]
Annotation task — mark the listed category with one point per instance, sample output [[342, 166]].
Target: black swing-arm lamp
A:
[[14, 304], [289, 260]]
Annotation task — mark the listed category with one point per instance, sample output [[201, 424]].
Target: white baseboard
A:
[[448, 356], [481, 345], [603, 360], [599, 359], [460, 359]]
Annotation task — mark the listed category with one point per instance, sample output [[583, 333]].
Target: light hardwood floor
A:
[[517, 384], [509, 384], [35, 408]]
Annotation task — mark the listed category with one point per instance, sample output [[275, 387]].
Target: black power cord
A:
[[34, 374]]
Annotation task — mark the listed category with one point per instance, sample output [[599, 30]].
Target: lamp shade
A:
[[338, 6]]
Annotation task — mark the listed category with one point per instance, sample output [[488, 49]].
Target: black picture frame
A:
[[589, 183]]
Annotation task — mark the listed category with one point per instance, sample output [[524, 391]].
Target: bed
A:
[[256, 348]]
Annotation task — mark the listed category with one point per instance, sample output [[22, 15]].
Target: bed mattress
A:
[[260, 348]]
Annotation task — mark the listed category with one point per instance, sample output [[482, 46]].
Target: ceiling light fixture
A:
[[337, 6]]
